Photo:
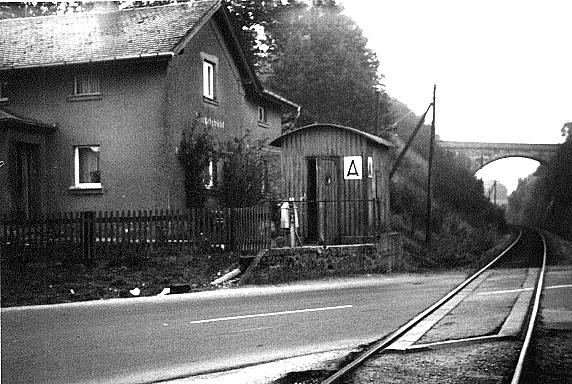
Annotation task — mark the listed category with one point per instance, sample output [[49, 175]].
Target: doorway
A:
[[323, 204], [28, 185]]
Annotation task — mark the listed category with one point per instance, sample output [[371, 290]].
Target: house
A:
[[339, 178], [93, 106]]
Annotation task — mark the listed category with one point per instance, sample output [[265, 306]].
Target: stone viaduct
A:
[[481, 154]]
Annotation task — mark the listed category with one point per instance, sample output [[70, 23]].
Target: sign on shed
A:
[[352, 167]]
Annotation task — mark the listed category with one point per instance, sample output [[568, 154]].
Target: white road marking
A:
[[270, 314], [524, 289]]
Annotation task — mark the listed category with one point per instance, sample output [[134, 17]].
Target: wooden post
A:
[[430, 167], [292, 222], [88, 236]]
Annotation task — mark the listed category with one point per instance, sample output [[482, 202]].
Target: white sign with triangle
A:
[[352, 167]]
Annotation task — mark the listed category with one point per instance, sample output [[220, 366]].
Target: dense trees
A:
[[316, 56], [545, 198]]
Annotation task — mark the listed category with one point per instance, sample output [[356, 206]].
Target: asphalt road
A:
[[150, 339]]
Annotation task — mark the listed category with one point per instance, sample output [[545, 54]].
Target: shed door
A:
[[327, 187]]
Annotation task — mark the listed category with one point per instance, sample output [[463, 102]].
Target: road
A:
[[157, 338]]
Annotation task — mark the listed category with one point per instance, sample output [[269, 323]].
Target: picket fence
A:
[[87, 236]]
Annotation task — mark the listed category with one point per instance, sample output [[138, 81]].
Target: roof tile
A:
[[48, 40]]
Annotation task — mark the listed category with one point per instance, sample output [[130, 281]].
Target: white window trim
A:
[[77, 183], [209, 80], [210, 76]]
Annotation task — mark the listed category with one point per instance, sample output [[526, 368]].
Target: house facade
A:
[[93, 106]]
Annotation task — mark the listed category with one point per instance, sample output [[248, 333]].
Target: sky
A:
[[503, 69]]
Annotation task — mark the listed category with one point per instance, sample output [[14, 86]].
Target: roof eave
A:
[[378, 140], [158, 56]]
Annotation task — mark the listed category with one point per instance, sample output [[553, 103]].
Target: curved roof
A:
[[376, 139]]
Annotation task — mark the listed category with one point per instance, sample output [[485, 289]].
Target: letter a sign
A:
[[352, 167]]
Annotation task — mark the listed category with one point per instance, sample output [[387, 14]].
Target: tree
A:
[[244, 173], [197, 149], [545, 200], [320, 61]]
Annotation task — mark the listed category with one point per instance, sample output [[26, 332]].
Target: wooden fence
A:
[[87, 236]]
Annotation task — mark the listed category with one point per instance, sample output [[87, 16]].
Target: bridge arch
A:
[[481, 154]]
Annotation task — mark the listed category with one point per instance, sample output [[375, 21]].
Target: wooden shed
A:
[[339, 177]]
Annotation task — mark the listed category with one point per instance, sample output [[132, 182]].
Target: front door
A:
[[28, 188]]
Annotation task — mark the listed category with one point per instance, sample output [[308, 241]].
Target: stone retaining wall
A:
[[287, 264]]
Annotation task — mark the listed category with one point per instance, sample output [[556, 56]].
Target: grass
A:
[[50, 283]]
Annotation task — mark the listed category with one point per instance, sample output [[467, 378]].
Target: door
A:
[[28, 183], [323, 199]]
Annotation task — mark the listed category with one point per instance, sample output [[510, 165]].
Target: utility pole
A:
[[431, 143]]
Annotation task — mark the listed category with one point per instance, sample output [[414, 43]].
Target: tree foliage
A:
[[197, 149], [323, 64], [545, 199], [245, 172]]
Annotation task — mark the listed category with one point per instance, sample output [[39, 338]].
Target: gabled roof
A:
[[129, 34], [83, 37], [376, 139], [9, 119]]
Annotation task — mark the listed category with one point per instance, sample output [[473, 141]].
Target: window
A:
[[3, 93], [210, 174], [86, 85], [209, 81], [87, 173], [370, 167], [262, 115]]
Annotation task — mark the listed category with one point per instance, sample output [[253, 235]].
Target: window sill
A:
[[4, 100], [210, 101], [85, 191], [263, 124], [87, 97]]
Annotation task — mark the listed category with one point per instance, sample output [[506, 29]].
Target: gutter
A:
[[144, 56], [276, 96]]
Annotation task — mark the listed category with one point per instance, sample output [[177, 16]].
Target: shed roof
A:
[[373, 138]]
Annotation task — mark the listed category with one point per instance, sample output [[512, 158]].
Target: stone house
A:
[[93, 105]]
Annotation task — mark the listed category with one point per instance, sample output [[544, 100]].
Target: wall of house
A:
[[126, 122], [232, 115]]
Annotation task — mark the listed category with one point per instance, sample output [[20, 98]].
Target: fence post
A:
[[88, 236], [325, 226]]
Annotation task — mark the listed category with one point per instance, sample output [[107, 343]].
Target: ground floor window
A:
[[87, 166]]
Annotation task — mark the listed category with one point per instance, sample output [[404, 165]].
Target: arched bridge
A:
[[481, 154]]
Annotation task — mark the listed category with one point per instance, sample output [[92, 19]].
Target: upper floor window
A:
[[210, 80], [262, 115], [3, 93], [86, 84], [87, 172]]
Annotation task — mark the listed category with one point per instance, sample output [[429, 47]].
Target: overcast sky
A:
[[503, 68]]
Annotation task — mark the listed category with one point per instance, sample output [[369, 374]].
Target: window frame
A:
[[90, 77], [77, 183], [262, 116], [3, 95], [210, 78]]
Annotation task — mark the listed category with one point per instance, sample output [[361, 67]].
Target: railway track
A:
[[515, 276]]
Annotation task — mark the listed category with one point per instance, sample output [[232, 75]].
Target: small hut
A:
[[339, 178]]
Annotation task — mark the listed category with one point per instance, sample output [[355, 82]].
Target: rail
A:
[[386, 342], [516, 377]]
